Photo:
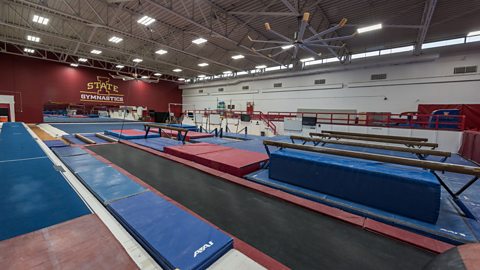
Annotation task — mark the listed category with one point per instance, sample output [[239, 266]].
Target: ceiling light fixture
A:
[[115, 39], [474, 33], [287, 47], [177, 70], [201, 76], [40, 19], [33, 38], [145, 20], [74, 65], [119, 66], [161, 52], [96, 51], [307, 59], [227, 72], [199, 41], [28, 50], [238, 56], [157, 74], [83, 60], [181, 79], [137, 60], [145, 77], [369, 28], [203, 64], [261, 67]]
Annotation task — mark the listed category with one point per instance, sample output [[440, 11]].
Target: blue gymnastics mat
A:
[[213, 140], [131, 134], [55, 143], [74, 140], [16, 143], [157, 143], [402, 190], [176, 239], [33, 195], [81, 163], [96, 127], [189, 127], [68, 151], [109, 185]]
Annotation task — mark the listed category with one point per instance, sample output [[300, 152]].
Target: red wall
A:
[[34, 82]]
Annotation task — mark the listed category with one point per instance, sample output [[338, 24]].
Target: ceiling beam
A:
[[428, 11], [274, 14]]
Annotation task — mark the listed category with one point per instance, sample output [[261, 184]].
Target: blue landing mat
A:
[[251, 145], [82, 163], [109, 185], [451, 226], [34, 196], [74, 140], [157, 143], [16, 143], [402, 190], [189, 127], [213, 140], [68, 151], [242, 136], [55, 143], [172, 236], [130, 134], [96, 127]]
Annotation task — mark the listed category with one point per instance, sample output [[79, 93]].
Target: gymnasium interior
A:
[[227, 134]]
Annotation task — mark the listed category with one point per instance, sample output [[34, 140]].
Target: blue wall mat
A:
[[397, 189], [98, 127], [68, 151], [157, 143], [82, 163], [174, 238], [108, 184], [33, 195], [55, 143]]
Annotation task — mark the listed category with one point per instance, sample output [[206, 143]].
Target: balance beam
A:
[[105, 137], [84, 139], [392, 141], [421, 153], [433, 166], [180, 137], [415, 139]]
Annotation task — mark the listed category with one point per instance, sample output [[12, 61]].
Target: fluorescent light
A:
[[261, 67], [199, 41], [316, 62], [145, 77], [227, 72], [307, 59], [177, 70], [40, 19], [33, 38], [157, 74], [443, 43], [120, 66], [74, 65], [238, 56], [137, 60], [286, 47], [201, 76], [96, 51], [273, 68], [115, 39], [474, 33], [161, 52], [203, 64], [181, 79], [83, 60], [28, 50], [145, 20], [240, 73], [369, 28]]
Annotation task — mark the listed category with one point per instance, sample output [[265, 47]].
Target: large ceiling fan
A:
[[309, 45], [133, 76]]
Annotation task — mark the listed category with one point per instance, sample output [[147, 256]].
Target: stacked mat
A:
[[175, 238]]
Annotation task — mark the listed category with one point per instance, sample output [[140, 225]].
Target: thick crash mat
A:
[[68, 151], [157, 143], [190, 135], [129, 134], [175, 238], [189, 127], [55, 143], [33, 195], [400, 190], [81, 243], [190, 151], [233, 161], [108, 185], [82, 163]]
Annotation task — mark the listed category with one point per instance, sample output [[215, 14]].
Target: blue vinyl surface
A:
[[189, 127], [251, 145], [212, 140], [96, 127], [74, 140], [175, 238], [68, 151], [401, 190], [82, 163], [33, 195], [157, 143], [108, 185], [242, 136], [55, 143], [17, 143], [130, 136]]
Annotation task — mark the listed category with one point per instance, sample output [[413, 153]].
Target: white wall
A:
[[7, 99], [407, 85]]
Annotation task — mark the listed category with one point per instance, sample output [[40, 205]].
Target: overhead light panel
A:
[[157, 74], [261, 67], [74, 65], [286, 47], [238, 56], [201, 76], [199, 41], [227, 72], [203, 64], [177, 70], [161, 52], [181, 79], [137, 60], [307, 59], [145, 77], [145, 20], [96, 51], [115, 39], [474, 33], [83, 60], [119, 66], [40, 19], [369, 28], [33, 38], [28, 50]]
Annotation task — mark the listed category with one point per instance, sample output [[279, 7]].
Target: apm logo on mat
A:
[[101, 91]]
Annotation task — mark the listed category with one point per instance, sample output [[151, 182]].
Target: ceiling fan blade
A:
[[267, 49], [267, 41], [324, 32], [303, 26]]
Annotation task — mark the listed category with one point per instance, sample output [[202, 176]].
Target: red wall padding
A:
[[471, 145], [471, 112], [34, 82]]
